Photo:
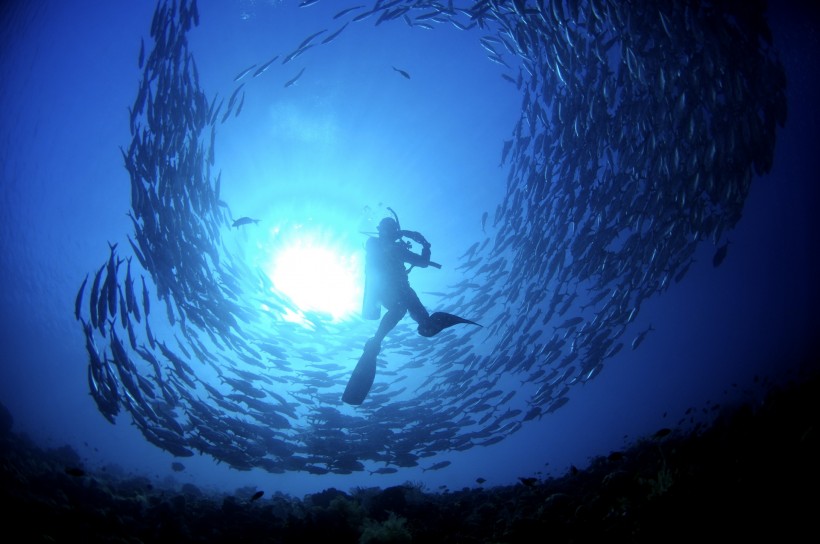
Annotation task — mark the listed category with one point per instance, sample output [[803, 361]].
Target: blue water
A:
[[353, 132]]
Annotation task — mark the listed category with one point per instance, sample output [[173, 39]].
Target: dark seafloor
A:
[[752, 473]]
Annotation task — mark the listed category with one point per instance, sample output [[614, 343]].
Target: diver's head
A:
[[389, 229]]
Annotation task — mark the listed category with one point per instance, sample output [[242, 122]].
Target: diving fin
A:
[[363, 375], [439, 321]]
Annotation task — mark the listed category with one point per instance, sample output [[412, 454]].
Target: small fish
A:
[[334, 35], [244, 72], [294, 80], [233, 97], [146, 303], [720, 254], [239, 107], [529, 482], [94, 297], [384, 470], [309, 39], [640, 338], [480, 480], [615, 456], [177, 466], [79, 299], [141, 58], [244, 221], [660, 433], [437, 466], [76, 472], [402, 72], [257, 495], [265, 66], [348, 10], [571, 322]]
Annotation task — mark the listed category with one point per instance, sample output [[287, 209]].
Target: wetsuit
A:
[[388, 285]]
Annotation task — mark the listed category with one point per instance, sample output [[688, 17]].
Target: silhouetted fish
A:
[[440, 464], [660, 433], [79, 299], [384, 470], [529, 482], [720, 254], [402, 72], [265, 66], [640, 338], [294, 80], [244, 221], [244, 72]]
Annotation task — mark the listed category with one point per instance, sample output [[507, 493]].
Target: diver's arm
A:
[[423, 260]]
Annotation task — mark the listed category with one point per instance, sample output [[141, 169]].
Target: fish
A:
[[79, 298], [720, 254], [309, 39], [130, 297], [480, 480], [437, 466], [402, 72], [265, 66], [151, 340], [347, 10], [141, 59], [176, 466], [244, 72], [244, 221], [295, 79], [571, 322], [615, 456], [296, 53], [384, 470], [529, 482], [239, 107], [640, 338], [146, 303], [95, 293], [257, 495], [232, 99], [660, 433], [74, 471], [334, 35]]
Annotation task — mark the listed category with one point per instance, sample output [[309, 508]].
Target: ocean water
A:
[[393, 115]]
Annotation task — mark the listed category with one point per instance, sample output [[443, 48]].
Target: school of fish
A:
[[642, 127]]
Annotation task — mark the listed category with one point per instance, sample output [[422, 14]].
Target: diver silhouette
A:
[[387, 284]]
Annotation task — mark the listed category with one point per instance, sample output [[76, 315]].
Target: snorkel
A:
[[396, 217]]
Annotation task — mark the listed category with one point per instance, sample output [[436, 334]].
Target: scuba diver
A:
[[386, 284]]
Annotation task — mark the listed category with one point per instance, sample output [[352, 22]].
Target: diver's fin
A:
[[439, 321], [363, 375]]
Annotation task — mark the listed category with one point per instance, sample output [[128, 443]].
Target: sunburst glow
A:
[[318, 278]]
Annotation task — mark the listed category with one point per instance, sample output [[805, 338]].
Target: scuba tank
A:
[[371, 305]]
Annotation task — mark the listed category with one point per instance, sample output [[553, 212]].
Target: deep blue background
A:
[[352, 132]]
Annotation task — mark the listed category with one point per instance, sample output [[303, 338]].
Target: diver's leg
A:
[[390, 320], [365, 372], [417, 311]]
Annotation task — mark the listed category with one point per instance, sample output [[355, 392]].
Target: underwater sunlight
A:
[[318, 278]]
